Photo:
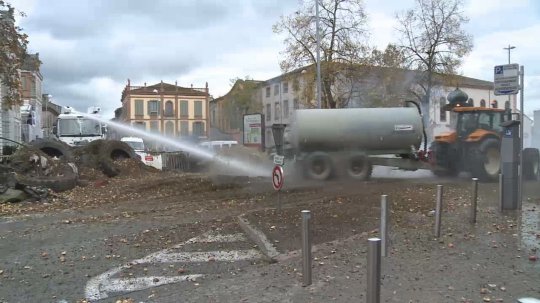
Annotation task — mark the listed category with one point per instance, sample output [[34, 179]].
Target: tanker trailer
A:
[[347, 142]]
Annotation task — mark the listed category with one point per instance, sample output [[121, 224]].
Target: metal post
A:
[[438, 210], [520, 186], [501, 180], [384, 225], [306, 248], [279, 200], [318, 55], [474, 200], [374, 271]]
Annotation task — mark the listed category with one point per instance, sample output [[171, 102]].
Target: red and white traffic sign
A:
[[277, 177]]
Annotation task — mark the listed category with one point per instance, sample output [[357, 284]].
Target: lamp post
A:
[[509, 49]]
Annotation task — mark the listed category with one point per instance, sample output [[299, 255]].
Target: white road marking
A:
[[101, 286], [194, 257]]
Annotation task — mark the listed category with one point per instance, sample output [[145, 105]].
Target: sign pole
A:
[[520, 187]]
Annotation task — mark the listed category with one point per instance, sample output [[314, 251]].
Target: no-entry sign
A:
[[277, 177]]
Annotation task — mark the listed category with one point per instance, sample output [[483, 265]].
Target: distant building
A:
[[10, 117], [167, 109], [226, 112], [372, 87], [50, 112], [31, 82]]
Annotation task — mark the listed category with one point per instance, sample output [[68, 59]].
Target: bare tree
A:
[[13, 44], [434, 42], [342, 40]]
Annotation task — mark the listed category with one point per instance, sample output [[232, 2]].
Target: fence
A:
[[175, 161]]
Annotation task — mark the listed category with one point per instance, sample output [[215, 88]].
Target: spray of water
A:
[[232, 165]]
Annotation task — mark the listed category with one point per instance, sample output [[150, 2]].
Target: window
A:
[[198, 129], [139, 107], [285, 87], [153, 107], [184, 128], [140, 125], [507, 105], [470, 102], [169, 109], [184, 109], [267, 91], [277, 110], [442, 111], [482, 103], [494, 104], [154, 127], [295, 101], [169, 128], [285, 109], [276, 89], [198, 109], [268, 112]]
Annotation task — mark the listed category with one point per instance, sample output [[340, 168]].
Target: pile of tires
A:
[[103, 154]]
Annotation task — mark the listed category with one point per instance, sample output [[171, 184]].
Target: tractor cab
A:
[[473, 123]]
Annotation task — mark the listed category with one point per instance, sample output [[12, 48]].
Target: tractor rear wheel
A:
[[486, 160]]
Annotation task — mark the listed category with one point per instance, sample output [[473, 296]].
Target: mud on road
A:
[[51, 251]]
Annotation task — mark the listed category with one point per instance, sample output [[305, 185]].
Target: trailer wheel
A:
[[531, 163], [319, 166], [359, 167], [53, 148]]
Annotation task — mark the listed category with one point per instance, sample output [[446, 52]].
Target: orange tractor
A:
[[474, 144]]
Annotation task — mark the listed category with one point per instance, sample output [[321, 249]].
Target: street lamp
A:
[[509, 48]]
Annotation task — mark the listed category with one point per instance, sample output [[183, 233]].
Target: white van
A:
[[138, 146]]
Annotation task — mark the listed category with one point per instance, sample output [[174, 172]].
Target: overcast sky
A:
[[89, 48]]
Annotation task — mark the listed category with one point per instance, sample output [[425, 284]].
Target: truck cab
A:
[[76, 129]]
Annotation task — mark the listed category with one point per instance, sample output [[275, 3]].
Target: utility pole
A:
[[318, 55]]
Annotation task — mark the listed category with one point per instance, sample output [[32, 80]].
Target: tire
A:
[[112, 151], [318, 166], [54, 148], [58, 183], [358, 167], [446, 161], [531, 164], [486, 160]]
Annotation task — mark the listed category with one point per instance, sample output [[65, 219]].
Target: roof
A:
[[456, 80], [166, 89], [235, 87]]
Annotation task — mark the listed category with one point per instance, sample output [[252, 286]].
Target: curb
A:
[[257, 236]]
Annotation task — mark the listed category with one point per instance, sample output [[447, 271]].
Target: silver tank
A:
[[375, 130]]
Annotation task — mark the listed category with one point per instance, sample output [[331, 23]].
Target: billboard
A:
[[253, 130]]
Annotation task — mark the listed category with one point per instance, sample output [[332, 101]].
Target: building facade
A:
[[31, 92], [226, 112], [167, 109]]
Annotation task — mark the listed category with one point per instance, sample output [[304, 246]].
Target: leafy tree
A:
[[242, 99], [13, 43], [434, 42], [342, 42]]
